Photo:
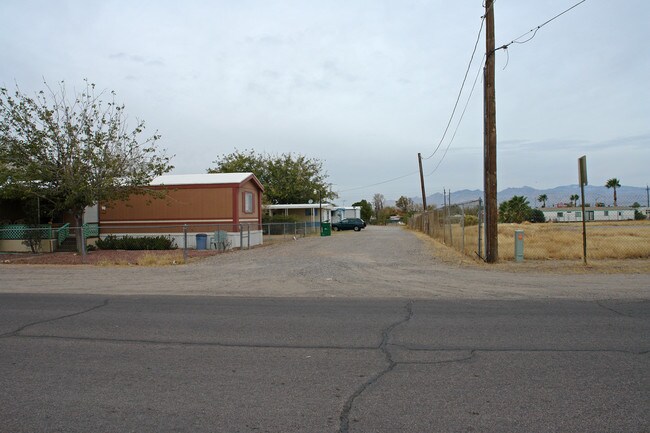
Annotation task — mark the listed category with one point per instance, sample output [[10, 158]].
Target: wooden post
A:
[[490, 144], [424, 195]]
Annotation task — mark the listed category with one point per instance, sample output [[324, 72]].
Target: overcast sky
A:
[[361, 85]]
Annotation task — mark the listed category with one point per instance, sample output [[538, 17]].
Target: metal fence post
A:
[[462, 228], [185, 243], [249, 237], [241, 237], [480, 226]]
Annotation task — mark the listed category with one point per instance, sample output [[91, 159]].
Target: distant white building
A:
[[311, 213], [340, 213], [574, 214]]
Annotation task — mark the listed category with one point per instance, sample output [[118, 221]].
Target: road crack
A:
[[54, 319], [600, 304], [344, 418]]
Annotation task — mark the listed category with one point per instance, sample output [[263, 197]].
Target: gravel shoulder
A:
[[378, 262]]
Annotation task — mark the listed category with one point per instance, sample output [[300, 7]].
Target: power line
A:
[[478, 73], [536, 29], [379, 183], [460, 92]]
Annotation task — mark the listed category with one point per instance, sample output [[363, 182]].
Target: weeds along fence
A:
[[458, 225]]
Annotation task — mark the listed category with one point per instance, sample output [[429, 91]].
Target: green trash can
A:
[[326, 229]]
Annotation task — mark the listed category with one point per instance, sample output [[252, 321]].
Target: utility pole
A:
[[490, 141], [424, 194], [647, 193], [425, 218]]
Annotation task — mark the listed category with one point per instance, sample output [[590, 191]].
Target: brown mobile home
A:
[[192, 203]]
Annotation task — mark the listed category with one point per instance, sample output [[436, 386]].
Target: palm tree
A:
[[574, 199], [542, 198], [613, 183]]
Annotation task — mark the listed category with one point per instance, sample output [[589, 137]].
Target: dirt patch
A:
[[108, 258], [378, 262]]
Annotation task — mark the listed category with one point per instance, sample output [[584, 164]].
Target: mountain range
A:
[[626, 195]]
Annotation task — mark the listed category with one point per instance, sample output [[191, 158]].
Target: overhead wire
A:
[[379, 183], [469, 97], [460, 92], [451, 117], [536, 29], [505, 47]]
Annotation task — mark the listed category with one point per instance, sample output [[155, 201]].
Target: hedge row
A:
[[112, 242]]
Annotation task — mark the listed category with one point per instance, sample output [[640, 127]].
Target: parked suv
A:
[[355, 224]]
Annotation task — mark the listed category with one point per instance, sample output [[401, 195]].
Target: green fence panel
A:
[[20, 231]]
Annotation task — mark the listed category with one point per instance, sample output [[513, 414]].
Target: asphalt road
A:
[[112, 363]]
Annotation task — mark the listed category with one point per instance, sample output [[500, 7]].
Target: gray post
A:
[[462, 228], [241, 237], [249, 237], [519, 245], [185, 243], [83, 245], [480, 220]]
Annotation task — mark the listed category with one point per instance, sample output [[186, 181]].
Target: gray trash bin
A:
[[201, 241]]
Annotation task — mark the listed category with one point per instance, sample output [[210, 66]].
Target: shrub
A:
[[638, 215], [471, 220], [279, 219], [536, 216], [112, 242]]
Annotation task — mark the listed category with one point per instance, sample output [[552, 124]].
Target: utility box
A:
[[519, 245]]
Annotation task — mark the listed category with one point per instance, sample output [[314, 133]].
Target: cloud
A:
[[136, 59], [636, 142]]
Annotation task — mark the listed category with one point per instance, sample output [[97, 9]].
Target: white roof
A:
[[298, 206], [200, 179]]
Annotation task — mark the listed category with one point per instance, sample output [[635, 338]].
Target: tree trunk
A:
[[81, 242]]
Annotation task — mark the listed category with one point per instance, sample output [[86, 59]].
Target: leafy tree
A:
[[286, 178], [405, 205], [366, 209], [378, 202], [613, 183], [574, 199], [385, 213], [73, 151], [542, 199], [515, 210], [638, 215]]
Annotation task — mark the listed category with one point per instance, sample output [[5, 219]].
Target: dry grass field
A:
[[605, 240], [618, 240]]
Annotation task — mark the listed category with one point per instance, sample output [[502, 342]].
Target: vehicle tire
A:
[[338, 229], [357, 228]]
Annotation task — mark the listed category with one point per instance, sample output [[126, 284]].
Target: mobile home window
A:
[[606, 213], [248, 202], [560, 214]]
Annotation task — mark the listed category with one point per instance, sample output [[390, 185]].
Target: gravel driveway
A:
[[378, 262]]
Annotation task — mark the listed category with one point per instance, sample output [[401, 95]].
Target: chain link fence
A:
[[459, 226], [621, 232], [221, 237]]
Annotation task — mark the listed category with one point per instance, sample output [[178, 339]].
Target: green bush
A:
[[471, 220], [112, 242], [536, 216], [279, 219]]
